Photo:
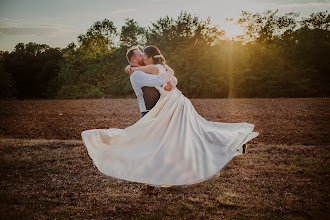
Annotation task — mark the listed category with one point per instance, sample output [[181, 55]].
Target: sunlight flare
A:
[[232, 30]]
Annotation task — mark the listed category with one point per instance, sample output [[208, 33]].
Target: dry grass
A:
[[46, 172], [56, 179]]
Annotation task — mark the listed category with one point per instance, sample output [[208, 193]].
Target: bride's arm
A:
[[171, 84], [152, 69], [167, 74], [174, 81]]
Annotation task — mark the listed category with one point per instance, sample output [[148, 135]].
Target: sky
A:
[[58, 22]]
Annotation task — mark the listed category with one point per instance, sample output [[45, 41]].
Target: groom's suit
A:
[[144, 87], [151, 96]]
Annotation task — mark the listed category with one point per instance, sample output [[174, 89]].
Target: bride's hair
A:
[[154, 53]]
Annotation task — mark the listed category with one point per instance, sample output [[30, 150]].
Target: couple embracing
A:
[[171, 144]]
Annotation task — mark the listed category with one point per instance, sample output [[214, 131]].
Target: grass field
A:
[[46, 172]]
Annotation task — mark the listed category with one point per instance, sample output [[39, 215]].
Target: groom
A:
[[144, 83], [144, 88]]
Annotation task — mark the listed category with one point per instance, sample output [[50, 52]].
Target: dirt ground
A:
[[279, 121], [46, 172]]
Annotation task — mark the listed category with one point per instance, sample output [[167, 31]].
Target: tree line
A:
[[276, 56]]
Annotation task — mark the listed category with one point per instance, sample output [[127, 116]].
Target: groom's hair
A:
[[130, 53]]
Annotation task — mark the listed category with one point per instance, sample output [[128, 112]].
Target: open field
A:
[[279, 121], [46, 172]]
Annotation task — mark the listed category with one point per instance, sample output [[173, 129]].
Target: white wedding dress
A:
[[171, 145]]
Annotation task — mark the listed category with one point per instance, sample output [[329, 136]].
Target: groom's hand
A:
[[168, 87], [128, 70]]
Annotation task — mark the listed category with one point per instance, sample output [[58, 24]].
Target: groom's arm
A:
[[141, 79]]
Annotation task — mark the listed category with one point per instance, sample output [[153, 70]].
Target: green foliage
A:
[[132, 34], [6, 84], [277, 56], [32, 66], [287, 61], [263, 27], [319, 20], [187, 43], [98, 40]]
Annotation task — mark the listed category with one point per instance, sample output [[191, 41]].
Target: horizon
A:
[[59, 23]]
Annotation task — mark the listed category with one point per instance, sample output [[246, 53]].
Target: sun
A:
[[232, 30]]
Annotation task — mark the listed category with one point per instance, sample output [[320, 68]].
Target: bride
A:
[[171, 145]]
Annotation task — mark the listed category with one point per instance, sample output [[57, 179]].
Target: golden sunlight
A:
[[226, 13], [231, 28]]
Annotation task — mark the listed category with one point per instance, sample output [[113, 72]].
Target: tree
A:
[[319, 20], [278, 56], [98, 40], [86, 72], [186, 43], [31, 66], [132, 34], [6, 81], [263, 27]]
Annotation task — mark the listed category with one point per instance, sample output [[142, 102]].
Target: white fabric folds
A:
[[171, 145]]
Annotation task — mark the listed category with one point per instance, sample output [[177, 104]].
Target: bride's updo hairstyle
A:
[[154, 53]]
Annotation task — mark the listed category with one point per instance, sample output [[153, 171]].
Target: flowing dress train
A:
[[171, 145]]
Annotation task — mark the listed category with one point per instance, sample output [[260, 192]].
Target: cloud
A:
[[28, 31], [41, 30], [306, 4], [123, 11], [293, 1]]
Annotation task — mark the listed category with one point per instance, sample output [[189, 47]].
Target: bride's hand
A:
[[168, 87], [128, 70]]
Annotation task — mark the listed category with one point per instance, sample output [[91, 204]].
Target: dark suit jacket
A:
[[150, 96]]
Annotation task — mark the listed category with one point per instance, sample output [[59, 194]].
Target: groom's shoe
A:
[[151, 190], [244, 148]]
